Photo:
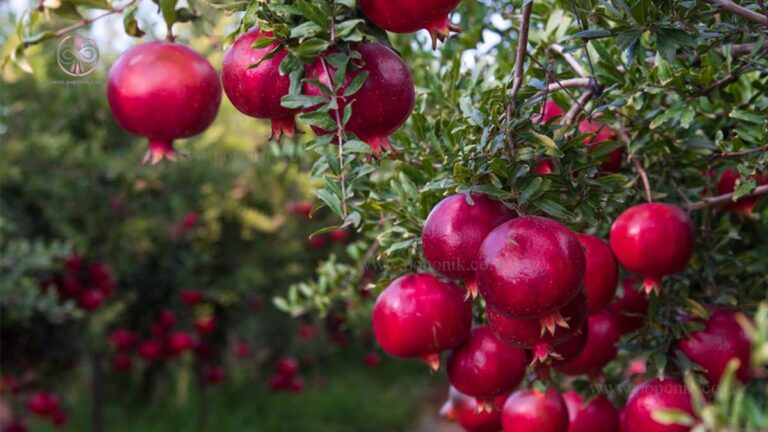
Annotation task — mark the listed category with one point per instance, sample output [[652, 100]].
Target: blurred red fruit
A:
[[287, 366], [43, 403], [179, 342], [205, 325], [59, 418], [296, 384], [307, 331], [242, 350], [16, 426], [123, 339], [278, 383], [101, 277], [257, 303], [339, 236], [214, 375], [372, 360], [150, 350], [191, 297], [299, 207], [9, 384], [91, 300], [203, 349], [190, 221], [166, 319], [317, 242], [122, 362], [73, 263], [68, 286]]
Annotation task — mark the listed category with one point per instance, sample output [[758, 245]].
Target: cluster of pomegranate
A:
[[286, 377], [89, 283], [41, 404]]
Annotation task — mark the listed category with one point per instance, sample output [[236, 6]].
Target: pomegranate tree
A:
[[530, 268], [654, 395], [407, 16], [533, 410], [596, 415], [163, 91], [602, 275], [381, 105], [654, 240], [454, 230], [257, 91], [419, 315]]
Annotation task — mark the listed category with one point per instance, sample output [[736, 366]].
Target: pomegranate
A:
[[179, 342], [533, 410], [743, 206], [524, 333], [544, 167], [307, 331], [278, 383], [73, 263], [205, 325], [15, 426], [91, 299], [654, 240], [602, 336], [43, 403], [722, 339], [296, 384], [150, 350], [101, 276], [163, 91], [652, 395], [484, 367], [418, 315], [68, 286], [299, 207], [530, 267], [257, 91], [407, 16], [629, 308], [214, 375], [470, 414], [549, 111], [454, 231], [123, 339], [287, 366], [598, 415], [317, 242], [561, 353], [601, 276], [242, 350], [602, 133], [166, 319], [372, 360], [191, 297], [59, 418], [382, 104], [339, 236], [122, 362]]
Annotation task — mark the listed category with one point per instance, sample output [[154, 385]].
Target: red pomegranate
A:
[[524, 333], [163, 91], [68, 286], [74, 263], [166, 319], [743, 206], [471, 415], [533, 410], [602, 275], [600, 349], [530, 267], [602, 132], [59, 418], [205, 325], [372, 360], [151, 350], [307, 331], [598, 415], [418, 315], [123, 339], [382, 104], [549, 111], [179, 342], [296, 384], [544, 167], [278, 383], [122, 362], [15, 426], [630, 307], [655, 395], [654, 240], [484, 367], [561, 353], [90, 300], [339, 236], [214, 375], [191, 297], [287, 366], [722, 339], [257, 91], [242, 350], [454, 231], [43, 403], [407, 16]]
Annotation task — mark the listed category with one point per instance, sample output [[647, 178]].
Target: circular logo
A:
[[77, 55]]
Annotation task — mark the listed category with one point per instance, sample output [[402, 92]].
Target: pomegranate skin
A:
[[530, 267], [654, 240], [599, 415], [454, 231], [653, 395], [382, 104], [743, 206], [256, 92], [521, 333], [484, 367], [470, 414], [418, 315], [407, 16], [163, 91], [722, 339], [600, 349], [602, 276], [629, 308], [550, 110], [532, 410], [602, 133]]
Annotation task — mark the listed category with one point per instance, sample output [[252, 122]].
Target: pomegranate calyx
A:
[[432, 361], [471, 284], [652, 284], [542, 354], [283, 126], [441, 30], [484, 405], [379, 143], [550, 323], [159, 150]]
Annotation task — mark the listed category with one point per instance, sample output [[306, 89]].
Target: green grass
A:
[[386, 399]]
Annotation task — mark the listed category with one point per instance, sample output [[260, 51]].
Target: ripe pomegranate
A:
[[91, 299], [530, 267], [122, 362], [484, 367], [655, 395], [602, 275], [166, 319], [68, 286], [101, 276], [339, 236], [242, 350], [524, 333], [307, 331], [317, 242], [256, 92], [205, 325], [743, 206], [74, 263], [470, 414], [191, 297], [163, 91], [296, 384], [654, 240], [561, 353], [382, 104], [722, 339], [123, 339], [150, 350], [544, 167], [549, 111], [214, 375], [43, 403], [16, 426], [602, 133], [372, 360], [532, 410], [59, 418], [179, 342], [299, 207], [408, 16], [630, 307], [287, 366], [189, 221], [278, 383], [598, 415], [602, 336], [418, 315], [455, 229]]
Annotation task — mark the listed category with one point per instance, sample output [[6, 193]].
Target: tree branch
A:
[[558, 49], [80, 24], [741, 11], [567, 83], [576, 108], [720, 200], [522, 49], [340, 141]]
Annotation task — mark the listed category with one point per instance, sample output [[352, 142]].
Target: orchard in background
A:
[[558, 202]]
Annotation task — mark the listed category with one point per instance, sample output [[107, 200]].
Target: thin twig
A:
[[740, 153], [576, 108], [339, 139], [80, 24], [557, 48], [724, 199], [741, 11], [643, 176], [565, 84], [522, 49]]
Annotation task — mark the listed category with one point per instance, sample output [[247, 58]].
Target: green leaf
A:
[[331, 200], [672, 416], [356, 84], [168, 7], [130, 23], [311, 48], [346, 28], [356, 146], [302, 101], [552, 208], [589, 34]]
